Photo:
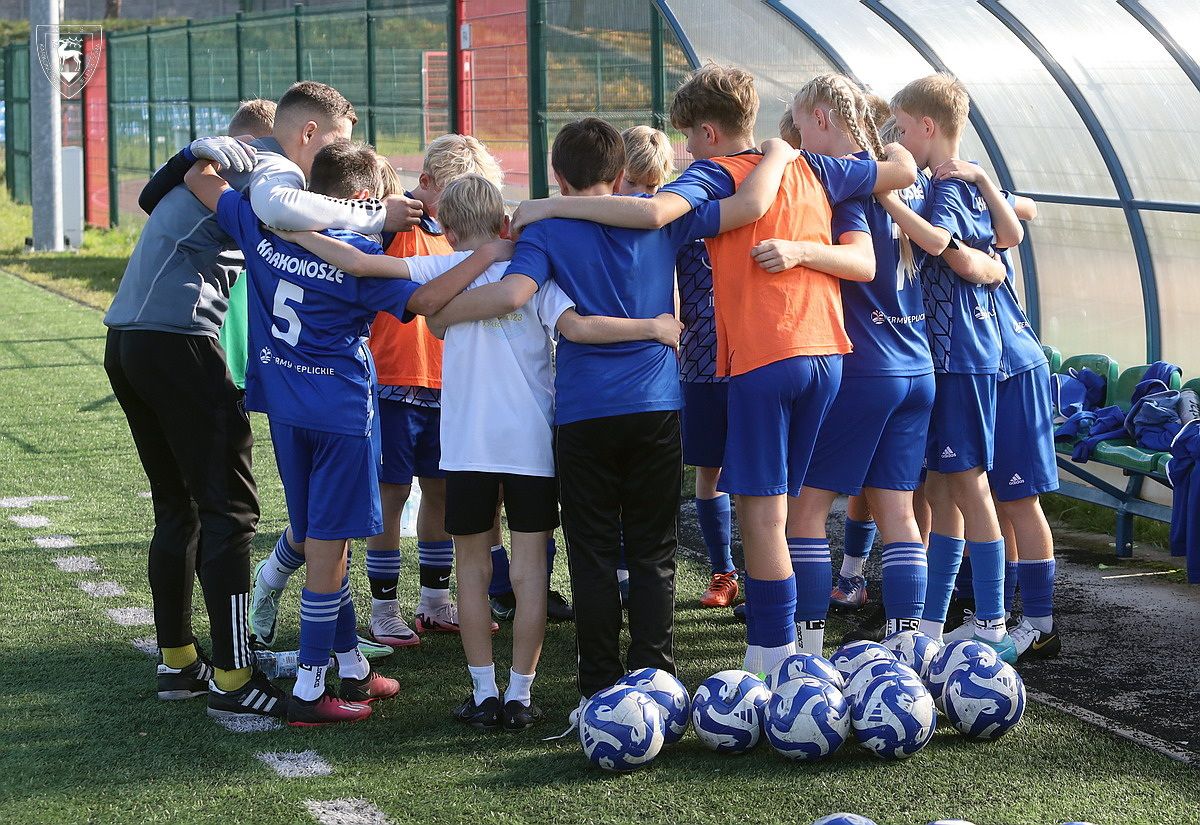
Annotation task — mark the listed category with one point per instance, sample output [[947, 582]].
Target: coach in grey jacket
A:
[[192, 434]]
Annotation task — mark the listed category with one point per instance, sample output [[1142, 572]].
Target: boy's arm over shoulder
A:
[[277, 192], [700, 182], [759, 190], [605, 329], [233, 211]]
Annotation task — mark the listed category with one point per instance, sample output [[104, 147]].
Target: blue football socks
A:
[[713, 516], [944, 557], [905, 574], [1037, 592], [860, 535]]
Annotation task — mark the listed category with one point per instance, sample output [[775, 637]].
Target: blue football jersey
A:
[[1020, 349], [960, 317], [309, 364], [885, 318], [698, 347]]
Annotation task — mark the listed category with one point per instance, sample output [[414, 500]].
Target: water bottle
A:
[[408, 516], [278, 665]]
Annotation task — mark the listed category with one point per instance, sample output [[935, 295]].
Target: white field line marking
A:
[[1135, 575], [145, 494], [346, 812], [147, 645], [1146, 740], [102, 590], [249, 724], [77, 564], [131, 616], [29, 522], [54, 542], [296, 764], [23, 502]]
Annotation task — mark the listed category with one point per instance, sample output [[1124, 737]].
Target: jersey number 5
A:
[[284, 292]]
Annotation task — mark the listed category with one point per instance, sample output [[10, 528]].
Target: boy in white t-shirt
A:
[[497, 410]]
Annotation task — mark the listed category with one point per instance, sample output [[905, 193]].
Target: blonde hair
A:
[[471, 206], [788, 130], [389, 179], [859, 113], [849, 108], [450, 157], [723, 95], [649, 158], [253, 117], [940, 97]]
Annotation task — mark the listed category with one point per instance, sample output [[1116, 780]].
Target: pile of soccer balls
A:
[[888, 694]]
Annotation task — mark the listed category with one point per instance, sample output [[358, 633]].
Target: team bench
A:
[[1136, 464]]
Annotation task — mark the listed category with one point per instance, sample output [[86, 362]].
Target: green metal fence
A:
[[169, 85], [398, 61], [16, 123]]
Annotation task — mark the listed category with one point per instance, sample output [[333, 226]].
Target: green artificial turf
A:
[[82, 737]]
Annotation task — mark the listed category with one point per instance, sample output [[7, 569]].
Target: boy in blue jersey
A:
[[1024, 464], [311, 372], [617, 442], [780, 339], [964, 339]]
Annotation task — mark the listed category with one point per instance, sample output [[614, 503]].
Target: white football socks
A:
[[932, 629], [518, 687], [990, 630], [310, 682], [764, 660], [352, 664], [483, 682], [810, 637], [433, 597], [1042, 623], [852, 566]]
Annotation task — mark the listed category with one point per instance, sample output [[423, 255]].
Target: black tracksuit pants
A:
[[193, 437], [619, 476]]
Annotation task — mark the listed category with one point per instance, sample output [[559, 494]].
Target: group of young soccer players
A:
[[849, 327]]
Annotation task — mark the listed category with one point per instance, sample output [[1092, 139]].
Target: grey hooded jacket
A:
[[174, 281]]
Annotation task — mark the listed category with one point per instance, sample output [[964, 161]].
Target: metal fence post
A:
[[298, 12], [658, 70], [453, 61], [539, 184], [114, 201], [237, 47], [371, 130], [191, 96], [8, 120], [150, 98]]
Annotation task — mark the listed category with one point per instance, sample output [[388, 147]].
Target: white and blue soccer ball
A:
[[952, 657], [800, 665], [844, 819], [807, 719], [914, 649], [951, 822], [621, 729], [728, 711], [871, 671], [894, 716], [668, 693], [851, 656], [984, 701]]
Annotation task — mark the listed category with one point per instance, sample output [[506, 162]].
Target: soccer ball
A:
[[951, 822], [894, 716], [807, 719], [914, 649], [728, 711], [952, 657], [668, 693], [984, 701], [850, 657], [799, 665], [844, 819], [871, 671], [621, 729]]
